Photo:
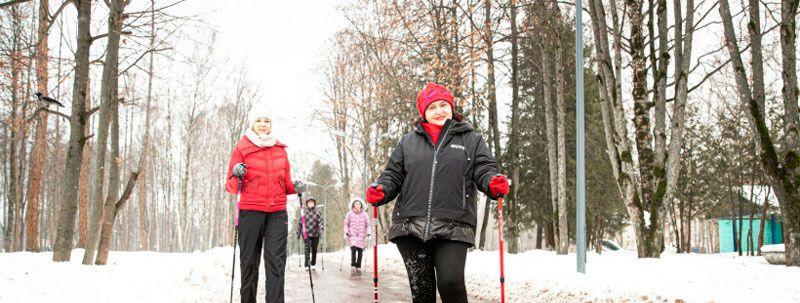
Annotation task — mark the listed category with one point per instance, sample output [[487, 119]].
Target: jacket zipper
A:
[[430, 190], [463, 193]]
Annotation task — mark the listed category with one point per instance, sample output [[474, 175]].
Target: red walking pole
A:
[[375, 252], [502, 266]]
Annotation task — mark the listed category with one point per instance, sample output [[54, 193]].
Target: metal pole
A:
[[580, 144], [325, 221]]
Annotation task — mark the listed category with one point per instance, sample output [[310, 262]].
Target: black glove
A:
[[239, 170]]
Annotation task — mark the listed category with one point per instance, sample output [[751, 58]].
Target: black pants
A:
[[257, 229], [434, 264], [311, 248], [355, 256]]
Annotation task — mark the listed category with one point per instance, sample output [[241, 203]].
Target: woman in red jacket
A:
[[261, 163]]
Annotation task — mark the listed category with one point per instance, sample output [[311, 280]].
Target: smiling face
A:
[[438, 112], [262, 126]]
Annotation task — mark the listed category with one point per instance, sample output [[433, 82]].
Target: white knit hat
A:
[[258, 111]]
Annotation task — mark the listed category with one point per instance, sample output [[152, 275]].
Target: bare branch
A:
[[155, 10], [57, 13], [127, 192], [142, 56], [44, 109], [93, 110], [14, 2]]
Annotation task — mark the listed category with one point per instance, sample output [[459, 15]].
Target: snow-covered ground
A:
[[541, 276], [534, 276]]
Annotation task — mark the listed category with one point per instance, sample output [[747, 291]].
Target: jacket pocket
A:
[[249, 185]]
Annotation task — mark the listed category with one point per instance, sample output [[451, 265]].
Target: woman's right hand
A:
[[239, 170], [375, 194]]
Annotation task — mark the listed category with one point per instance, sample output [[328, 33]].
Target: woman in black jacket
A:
[[434, 173]]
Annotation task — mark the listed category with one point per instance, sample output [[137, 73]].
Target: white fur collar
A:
[[262, 140]]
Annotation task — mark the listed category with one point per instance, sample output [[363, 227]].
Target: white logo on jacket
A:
[[456, 146]]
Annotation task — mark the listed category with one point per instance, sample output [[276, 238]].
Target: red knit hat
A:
[[431, 93]]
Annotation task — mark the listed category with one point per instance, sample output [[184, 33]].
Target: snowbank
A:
[[533, 276], [542, 276]]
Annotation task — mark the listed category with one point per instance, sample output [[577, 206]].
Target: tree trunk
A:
[[513, 146], [39, 146], [53, 190], [687, 236], [108, 113], [790, 204], [563, 228], [679, 224], [83, 183], [549, 235], [682, 54], [109, 207], [539, 236], [552, 159], [13, 221], [740, 215], [110, 216], [143, 169], [66, 218], [492, 97], [763, 220], [750, 244], [618, 146]]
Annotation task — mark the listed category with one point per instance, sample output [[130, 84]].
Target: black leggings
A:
[[355, 256], [434, 264], [311, 249]]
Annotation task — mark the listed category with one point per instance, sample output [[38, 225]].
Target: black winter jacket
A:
[[435, 186]]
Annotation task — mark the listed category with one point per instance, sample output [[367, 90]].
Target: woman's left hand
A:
[[498, 186]]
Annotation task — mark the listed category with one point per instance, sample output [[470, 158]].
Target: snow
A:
[[760, 192], [773, 248], [533, 276], [543, 276]]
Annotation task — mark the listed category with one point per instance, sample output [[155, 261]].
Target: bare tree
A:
[[782, 173], [562, 246], [14, 215], [66, 218], [109, 104], [648, 183]]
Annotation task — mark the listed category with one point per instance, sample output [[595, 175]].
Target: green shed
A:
[[773, 233]]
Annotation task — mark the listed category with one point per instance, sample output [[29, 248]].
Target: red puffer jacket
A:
[[268, 179]]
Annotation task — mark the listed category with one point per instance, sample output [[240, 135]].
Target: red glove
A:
[[375, 194], [498, 186]]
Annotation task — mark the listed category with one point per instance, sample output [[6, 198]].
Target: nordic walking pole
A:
[[500, 237], [235, 233], [305, 244], [375, 252]]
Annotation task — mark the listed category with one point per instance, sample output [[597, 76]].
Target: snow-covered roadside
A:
[[128, 277], [534, 276], [542, 276]]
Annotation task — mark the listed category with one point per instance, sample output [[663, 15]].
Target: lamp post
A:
[[580, 141]]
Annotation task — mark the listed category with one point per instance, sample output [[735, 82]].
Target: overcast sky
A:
[[281, 42]]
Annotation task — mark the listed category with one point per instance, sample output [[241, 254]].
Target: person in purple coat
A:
[[356, 231]]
